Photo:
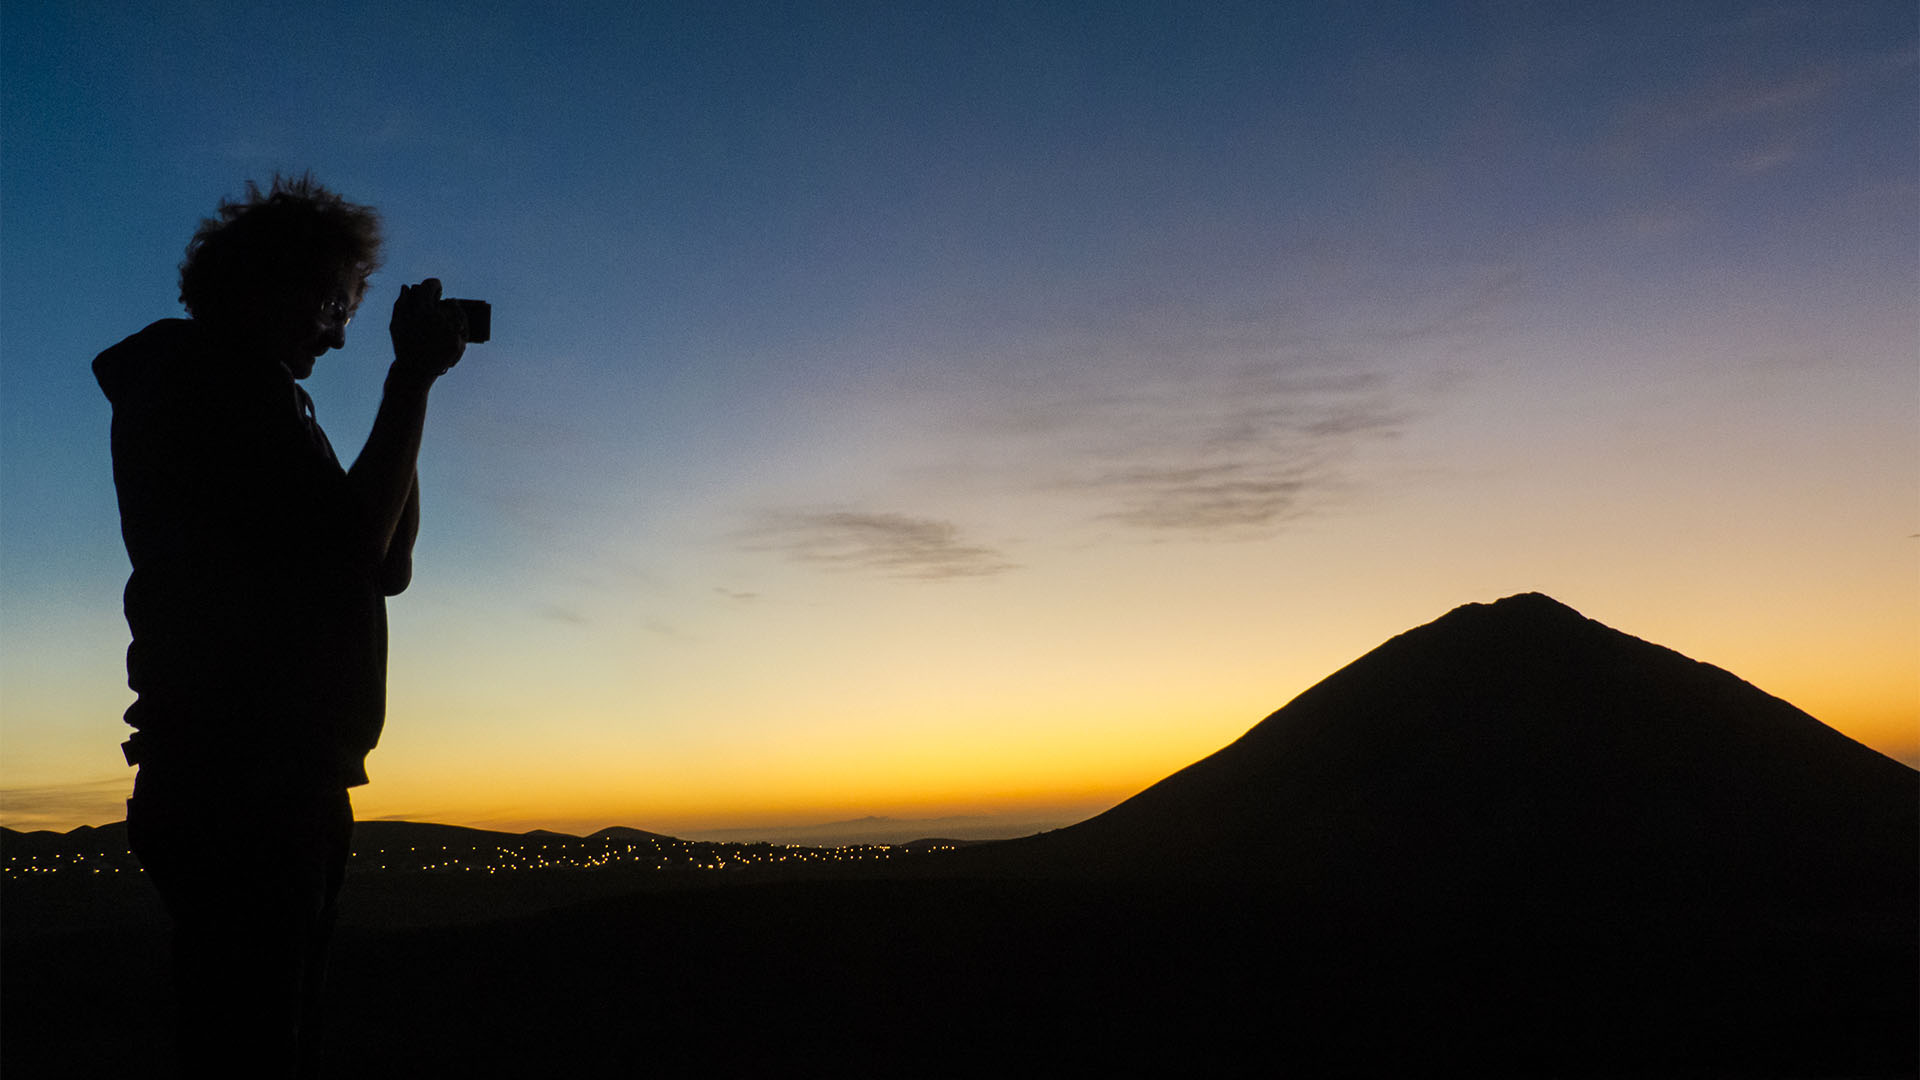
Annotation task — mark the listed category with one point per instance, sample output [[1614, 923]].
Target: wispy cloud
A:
[[1767, 158], [561, 614], [1219, 457], [1205, 498], [1198, 420], [1751, 122], [892, 544], [1718, 104]]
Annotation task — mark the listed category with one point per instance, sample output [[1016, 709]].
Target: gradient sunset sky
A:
[[988, 409]]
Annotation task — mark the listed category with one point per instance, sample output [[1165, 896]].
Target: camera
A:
[[479, 318]]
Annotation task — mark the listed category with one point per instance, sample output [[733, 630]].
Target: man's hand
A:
[[428, 336]]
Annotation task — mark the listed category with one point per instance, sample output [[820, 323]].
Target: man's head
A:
[[282, 271]]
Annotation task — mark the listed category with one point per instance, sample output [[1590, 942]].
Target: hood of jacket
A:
[[137, 369], [176, 360]]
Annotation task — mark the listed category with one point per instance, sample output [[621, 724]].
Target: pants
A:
[[249, 872]]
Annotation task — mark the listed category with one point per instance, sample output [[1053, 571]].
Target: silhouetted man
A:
[[256, 603]]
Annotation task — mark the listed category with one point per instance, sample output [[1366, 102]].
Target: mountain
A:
[[15, 844], [1519, 839], [1519, 750], [622, 832], [375, 834]]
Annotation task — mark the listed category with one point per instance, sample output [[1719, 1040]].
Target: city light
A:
[[529, 855]]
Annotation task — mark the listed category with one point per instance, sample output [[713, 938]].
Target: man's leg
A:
[[329, 843], [251, 891]]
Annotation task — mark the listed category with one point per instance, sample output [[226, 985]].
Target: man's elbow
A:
[[395, 576]]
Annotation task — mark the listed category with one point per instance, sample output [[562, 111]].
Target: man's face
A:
[[318, 320]]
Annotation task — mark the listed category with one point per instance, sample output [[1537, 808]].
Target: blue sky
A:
[[928, 391]]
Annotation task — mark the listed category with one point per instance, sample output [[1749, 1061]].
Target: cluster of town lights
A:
[[532, 854]]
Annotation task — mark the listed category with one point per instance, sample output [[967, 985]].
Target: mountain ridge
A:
[[1513, 730]]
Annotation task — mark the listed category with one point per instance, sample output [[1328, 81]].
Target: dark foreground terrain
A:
[[981, 977], [1513, 841]]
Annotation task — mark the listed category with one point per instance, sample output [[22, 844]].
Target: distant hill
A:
[[622, 832], [375, 834], [423, 834], [86, 838], [365, 833]]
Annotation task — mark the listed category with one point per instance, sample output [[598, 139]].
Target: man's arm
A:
[[397, 572], [427, 340]]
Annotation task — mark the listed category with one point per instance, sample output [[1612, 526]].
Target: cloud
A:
[[561, 614], [1752, 121], [1468, 308], [1206, 498], [1198, 419], [1221, 457], [1720, 100], [892, 544], [1767, 159]]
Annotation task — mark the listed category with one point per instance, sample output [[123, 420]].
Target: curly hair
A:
[[256, 251]]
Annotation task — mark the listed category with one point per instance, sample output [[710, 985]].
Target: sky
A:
[[970, 412]]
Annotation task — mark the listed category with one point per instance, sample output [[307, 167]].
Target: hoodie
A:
[[259, 627]]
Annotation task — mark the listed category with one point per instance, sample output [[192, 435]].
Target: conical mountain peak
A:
[[1528, 613], [1526, 605], [1517, 733]]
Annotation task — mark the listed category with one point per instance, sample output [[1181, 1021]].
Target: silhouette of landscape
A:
[[1512, 840]]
